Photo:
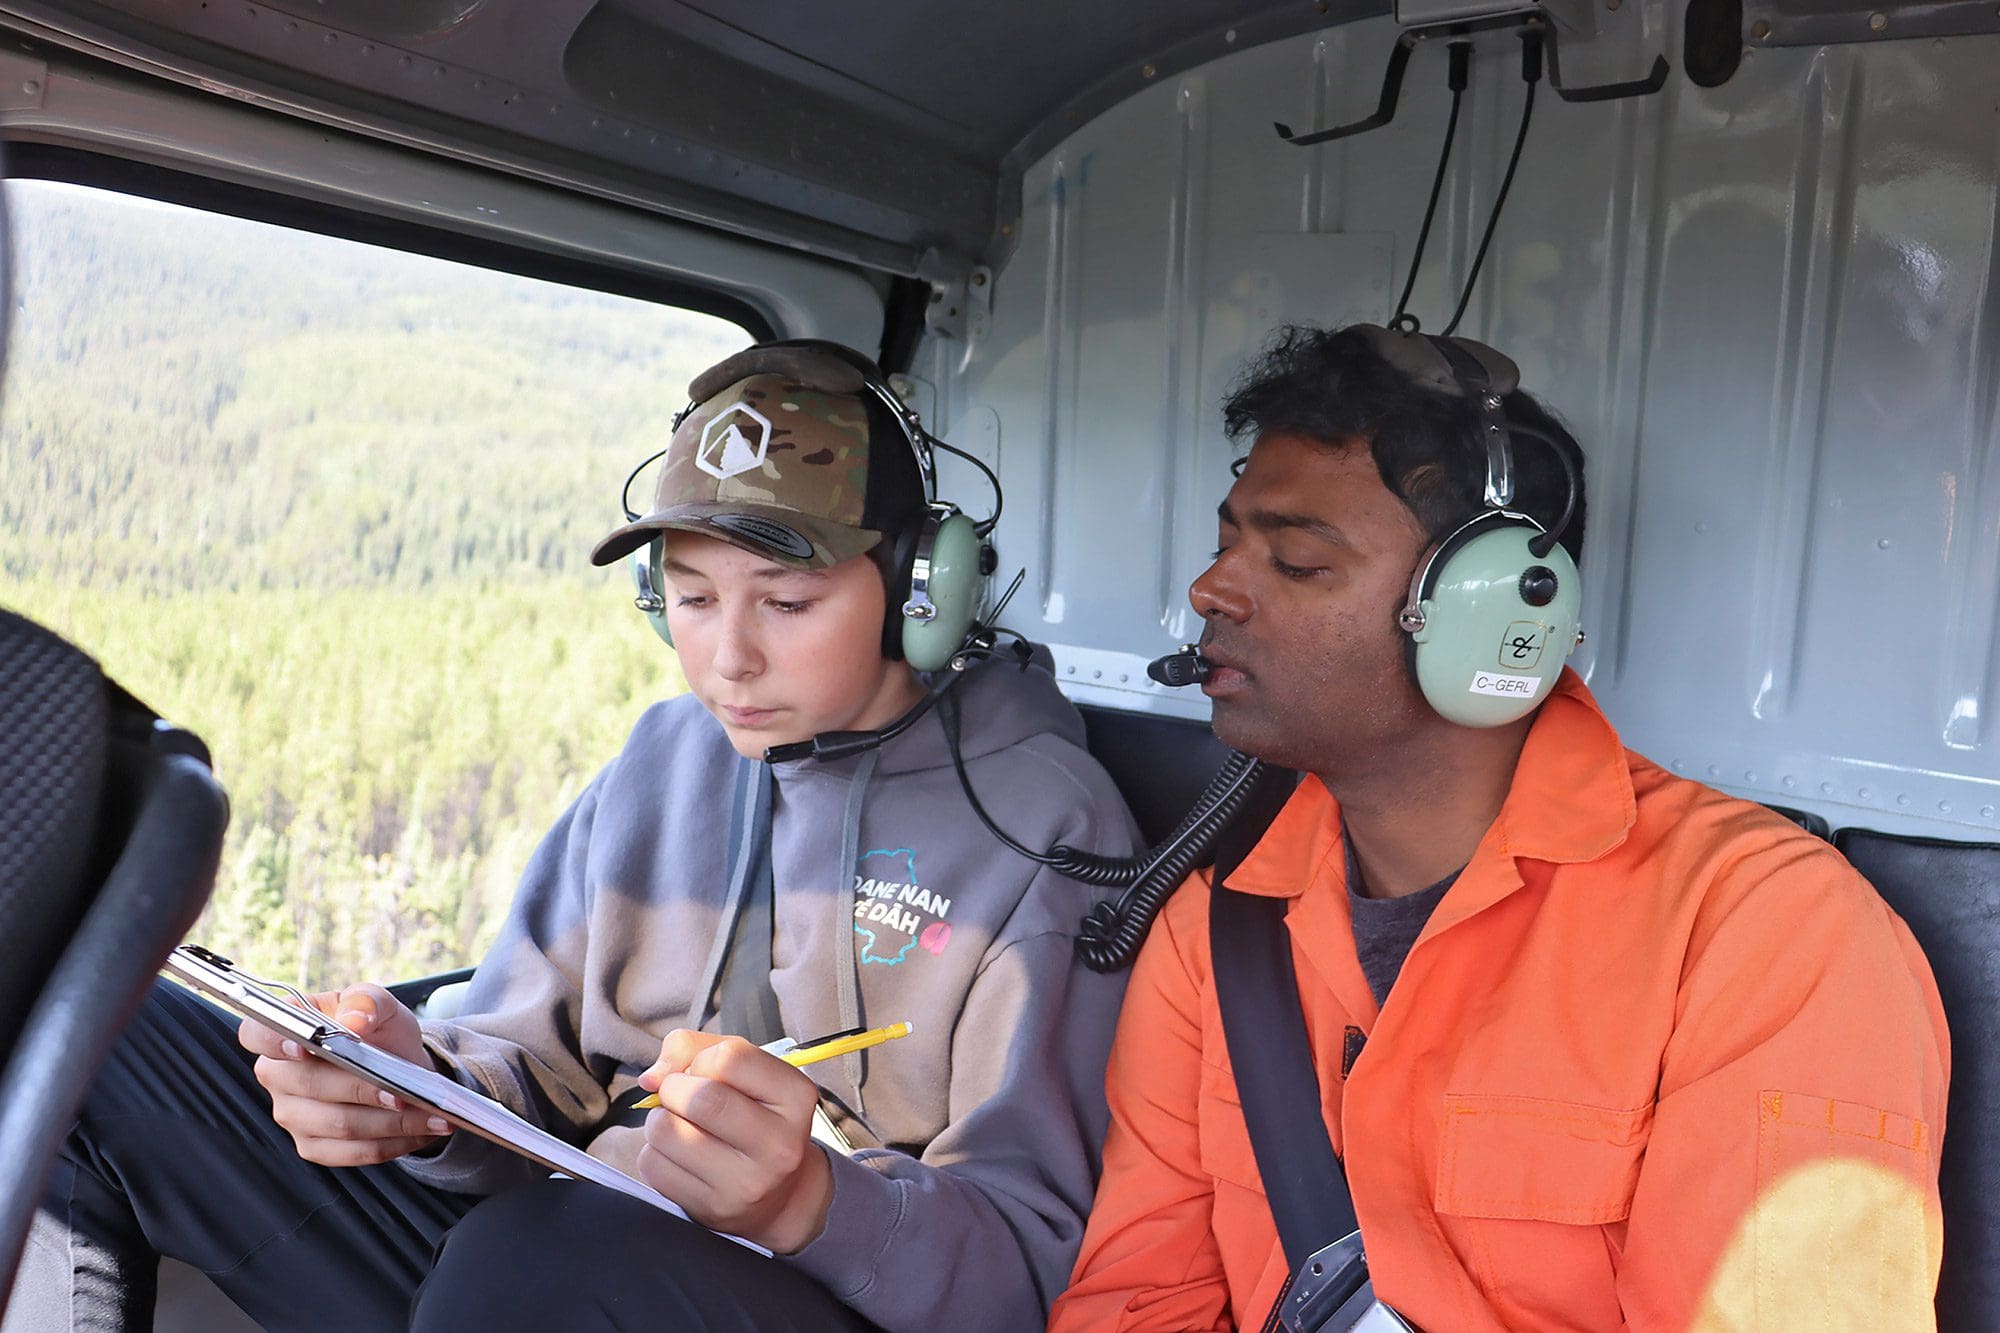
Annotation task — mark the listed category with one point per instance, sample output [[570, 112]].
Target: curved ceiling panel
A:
[[892, 133]]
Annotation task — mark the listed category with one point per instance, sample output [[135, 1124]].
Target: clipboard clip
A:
[[216, 976]]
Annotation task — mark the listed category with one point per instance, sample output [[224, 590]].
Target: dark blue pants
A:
[[561, 1254], [175, 1153]]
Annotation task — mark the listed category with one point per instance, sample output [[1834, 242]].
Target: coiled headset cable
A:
[[1110, 934]]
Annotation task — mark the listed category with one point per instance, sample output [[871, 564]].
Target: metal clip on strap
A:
[[1331, 1290]]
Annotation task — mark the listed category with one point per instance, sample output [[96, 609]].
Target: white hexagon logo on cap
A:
[[734, 443]]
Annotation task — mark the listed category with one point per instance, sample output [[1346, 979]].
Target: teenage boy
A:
[[951, 1188], [1601, 1048]]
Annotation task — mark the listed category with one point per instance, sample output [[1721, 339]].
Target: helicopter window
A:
[[327, 504]]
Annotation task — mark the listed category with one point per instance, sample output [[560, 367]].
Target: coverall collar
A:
[[1570, 801]]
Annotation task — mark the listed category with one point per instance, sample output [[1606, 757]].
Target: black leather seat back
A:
[[111, 828], [1949, 893], [1159, 763], [53, 736]]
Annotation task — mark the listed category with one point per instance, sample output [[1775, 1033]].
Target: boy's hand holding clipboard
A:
[[337, 1118], [353, 1084], [419, 1088]]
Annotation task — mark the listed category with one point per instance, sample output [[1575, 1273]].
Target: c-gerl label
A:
[[1504, 684]]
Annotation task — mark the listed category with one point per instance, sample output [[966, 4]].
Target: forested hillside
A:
[[330, 506]]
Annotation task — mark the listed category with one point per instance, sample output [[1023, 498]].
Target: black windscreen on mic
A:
[[1186, 667]]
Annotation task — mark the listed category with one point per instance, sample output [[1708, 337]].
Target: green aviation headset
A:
[[938, 559], [1492, 613]]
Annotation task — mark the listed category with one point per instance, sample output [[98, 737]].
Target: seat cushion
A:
[[53, 719]]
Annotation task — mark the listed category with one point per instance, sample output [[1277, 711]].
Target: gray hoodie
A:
[[978, 1134]]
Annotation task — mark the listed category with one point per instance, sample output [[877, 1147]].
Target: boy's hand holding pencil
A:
[[731, 1138], [796, 1054]]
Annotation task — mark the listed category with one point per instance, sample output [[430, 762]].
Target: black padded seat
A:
[[110, 832], [1949, 893], [1160, 764], [54, 733]]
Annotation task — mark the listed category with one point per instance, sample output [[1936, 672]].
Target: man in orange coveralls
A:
[[1657, 1059]]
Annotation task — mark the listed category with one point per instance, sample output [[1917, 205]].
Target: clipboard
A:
[[286, 1010]]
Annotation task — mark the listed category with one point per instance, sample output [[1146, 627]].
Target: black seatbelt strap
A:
[[1257, 990], [1258, 993], [746, 1006], [1263, 1022]]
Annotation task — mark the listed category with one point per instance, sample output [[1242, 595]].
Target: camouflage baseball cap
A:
[[779, 457]]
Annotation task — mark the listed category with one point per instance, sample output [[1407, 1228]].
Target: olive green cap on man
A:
[[787, 454]]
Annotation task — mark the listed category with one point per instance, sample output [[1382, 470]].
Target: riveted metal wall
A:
[[1769, 310]]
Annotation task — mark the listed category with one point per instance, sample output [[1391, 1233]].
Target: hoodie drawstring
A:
[[847, 969], [751, 804]]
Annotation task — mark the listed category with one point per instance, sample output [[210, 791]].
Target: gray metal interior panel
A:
[[1769, 310], [51, 96], [889, 132]]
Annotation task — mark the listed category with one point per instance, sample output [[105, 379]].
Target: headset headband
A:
[[1464, 369], [938, 557], [1479, 618]]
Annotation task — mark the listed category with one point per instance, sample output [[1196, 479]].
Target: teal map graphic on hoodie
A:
[[893, 913]]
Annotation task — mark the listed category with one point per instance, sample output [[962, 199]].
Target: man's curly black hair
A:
[[1332, 385]]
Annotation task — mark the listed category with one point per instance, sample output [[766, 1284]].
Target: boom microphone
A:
[[832, 745], [1186, 667]]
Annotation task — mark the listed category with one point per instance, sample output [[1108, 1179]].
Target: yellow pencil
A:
[[800, 1056]]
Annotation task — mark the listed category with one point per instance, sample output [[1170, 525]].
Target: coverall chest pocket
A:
[[1533, 1194]]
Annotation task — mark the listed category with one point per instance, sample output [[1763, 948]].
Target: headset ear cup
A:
[[649, 579], [953, 585], [1486, 654]]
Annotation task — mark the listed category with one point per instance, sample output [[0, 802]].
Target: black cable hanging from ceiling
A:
[[1461, 74], [1531, 74]]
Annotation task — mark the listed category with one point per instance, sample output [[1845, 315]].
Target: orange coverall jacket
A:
[[1659, 1060]]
